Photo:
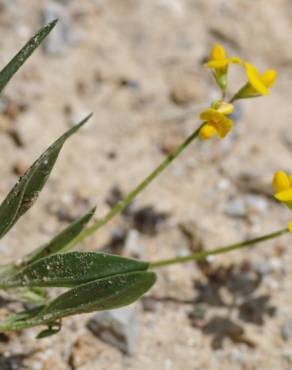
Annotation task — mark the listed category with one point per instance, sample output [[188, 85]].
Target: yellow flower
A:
[[219, 63], [215, 123], [207, 131], [282, 184], [219, 59], [260, 82], [257, 85]]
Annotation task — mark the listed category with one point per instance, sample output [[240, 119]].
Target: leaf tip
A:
[[152, 277], [53, 23], [92, 210], [81, 123]]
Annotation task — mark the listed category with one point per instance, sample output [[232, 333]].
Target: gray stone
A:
[[62, 35], [119, 328], [133, 246], [177, 7], [261, 267], [168, 365], [256, 203], [276, 265], [286, 329], [246, 205], [236, 207], [287, 138]]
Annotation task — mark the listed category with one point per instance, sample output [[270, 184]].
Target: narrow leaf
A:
[[12, 67], [105, 294], [72, 269], [22, 316], [26, 190], [11, 205], [60, 241], [42, 168]]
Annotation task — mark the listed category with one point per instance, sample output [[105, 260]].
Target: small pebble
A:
[[246, 205], [168, 364], [119, 327], [287, 138], [236, 208], [223, 184], [185, 90], [286, 329], [256, 203], [276, 265], [133, 247]]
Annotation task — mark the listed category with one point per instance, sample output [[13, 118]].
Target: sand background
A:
[[137, 65]]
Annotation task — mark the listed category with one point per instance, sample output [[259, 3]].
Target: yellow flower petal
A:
[[224, 126], [254, 79], [284, 195], [218, 120], [268, 78], [281, 181], [209, 114], [217, 64], [290, 226], [217, 52], [222, 63], [206, 132]]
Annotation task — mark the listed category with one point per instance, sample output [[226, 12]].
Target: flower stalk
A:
[[120, 206], [199, 256]]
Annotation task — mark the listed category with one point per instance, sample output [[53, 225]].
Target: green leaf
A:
[[60, 241], [12, 67], [11, 204], [105, 294], [22, 316], [72, 269], [26, 190], [51, 330]]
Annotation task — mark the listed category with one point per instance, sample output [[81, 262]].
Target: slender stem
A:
[[227, 248], [120, 206]]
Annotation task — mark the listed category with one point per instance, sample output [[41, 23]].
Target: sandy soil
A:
[[137, 65]]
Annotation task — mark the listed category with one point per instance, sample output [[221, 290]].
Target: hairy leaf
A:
[[72, 269], [26, 190], [12, 67], [105, 294]]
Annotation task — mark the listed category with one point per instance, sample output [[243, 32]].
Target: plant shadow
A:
[[234, 291]]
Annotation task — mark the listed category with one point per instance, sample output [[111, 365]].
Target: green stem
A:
[[199, 256], [120, 206]]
